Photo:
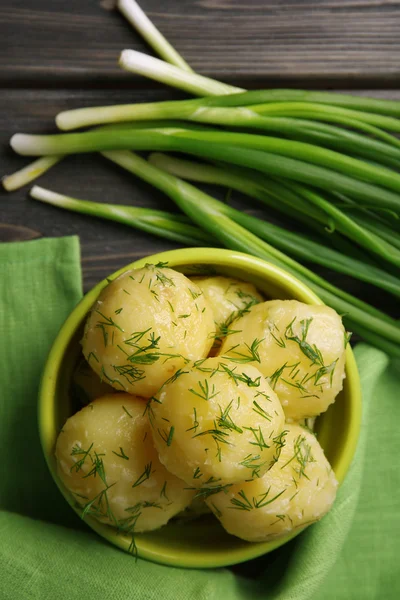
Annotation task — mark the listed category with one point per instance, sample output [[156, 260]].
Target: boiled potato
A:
[[300, 349], [229, 299], [106, 458], [298, 490], [145, 325], [216, 421]]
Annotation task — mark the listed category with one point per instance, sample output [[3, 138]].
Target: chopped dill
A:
[[167, 437], [251, 353], [259, 437], [260, 411], [197, 473], [194, 294], [207, 492], [242, 504], [127, 412], [108, 321], [144, 476], [163, 493], [195, 421], [122, 454], [205, 392], [225, 421], [94, 356], [251, 461]]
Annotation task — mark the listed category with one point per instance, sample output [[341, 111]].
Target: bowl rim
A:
[[180, 258]]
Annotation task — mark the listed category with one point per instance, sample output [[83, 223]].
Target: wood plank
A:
[[254, 43], [106, 246]]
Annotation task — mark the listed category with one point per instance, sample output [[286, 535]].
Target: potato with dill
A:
[[145, 325], [216, 422], [107, 460], [299, 348], [297, 491], [230, 298]]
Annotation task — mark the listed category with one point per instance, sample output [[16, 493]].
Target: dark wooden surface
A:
[[56, 55], [79, 40]]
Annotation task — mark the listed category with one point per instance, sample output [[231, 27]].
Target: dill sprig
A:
[[78, 451], [205, 493], [121, 454], [167, 436], [280, 442], [144, 476], [216, 434], [108, 321], [251, 353], [261, 411], [197, 473], [127, 412], [279, 340], [243, 502], [225, 421], [224, 326], [302, 456], [259, 437], [236, 377], [129, 372], [251, 461], [205, 392], [195, 421], [163, 493]]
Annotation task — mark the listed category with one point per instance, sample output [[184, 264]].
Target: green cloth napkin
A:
[[46, 552]]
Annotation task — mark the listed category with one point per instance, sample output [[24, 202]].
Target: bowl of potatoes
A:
[[200, 408]]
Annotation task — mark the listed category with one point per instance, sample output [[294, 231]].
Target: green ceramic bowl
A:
[[202, 543]]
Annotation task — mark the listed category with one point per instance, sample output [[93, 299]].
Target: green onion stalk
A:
[[29, 173], [214, 209], [140, 21], [294, 244], [273, 162], [131, 61], [206, 212], [278, 157], [386, 151], [174, 227]]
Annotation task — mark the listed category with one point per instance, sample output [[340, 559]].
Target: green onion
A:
[[207, 213], [327, 143], [140, 21], [314, 111], [274, 162], [163, 224], [204, 86], [39, 167], [156, 69], [378, 228], [350, 142], [349, 227], [293, 243], [29, 173]]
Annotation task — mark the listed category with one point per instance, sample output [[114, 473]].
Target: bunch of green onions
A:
[[329, 162]]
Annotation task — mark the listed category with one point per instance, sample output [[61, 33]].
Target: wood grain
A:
[[253, 43]]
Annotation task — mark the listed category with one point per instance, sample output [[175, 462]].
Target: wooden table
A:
[[57, 55]]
